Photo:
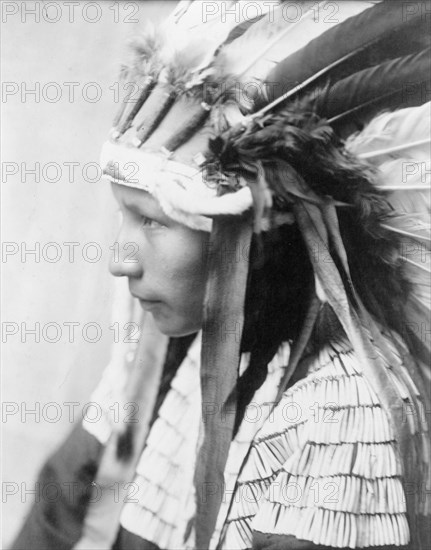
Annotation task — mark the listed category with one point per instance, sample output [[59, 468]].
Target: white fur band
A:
[[181, 189]]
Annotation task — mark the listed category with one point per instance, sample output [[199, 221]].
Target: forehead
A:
[[132, 198]]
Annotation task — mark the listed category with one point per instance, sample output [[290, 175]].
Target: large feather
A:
[[389, 131], [409, 185], [361, 41], [190, 38], [192, 14], [240, 29], [268, 40], [398, 145], [212, 27], [385, 81], [249, 59], [142, 69]]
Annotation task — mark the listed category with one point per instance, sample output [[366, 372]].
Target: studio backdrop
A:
[[60, 90]]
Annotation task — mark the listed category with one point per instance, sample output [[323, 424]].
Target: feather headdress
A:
[[274, 117]]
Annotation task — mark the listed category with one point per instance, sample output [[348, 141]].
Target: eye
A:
[[149, 223]]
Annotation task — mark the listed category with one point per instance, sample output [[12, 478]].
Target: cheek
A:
[[181, 278], [184, 261]]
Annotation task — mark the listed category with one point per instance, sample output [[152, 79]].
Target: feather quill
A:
[[210, 30], [403, 171], [410, 234], [401, 140], [142, 70], [385, 81], [268, 41], [356, 39], [185, 41], [389, 133], [408, 184], [248, 59]]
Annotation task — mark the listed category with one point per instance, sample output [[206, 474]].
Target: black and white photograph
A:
[[216, 275]]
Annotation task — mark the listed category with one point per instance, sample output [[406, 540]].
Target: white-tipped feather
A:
[[416, 236], [403, 187], [279, 34], [402, 134], [419, 265], [265, 43], [295, 37], [409, 184], [202, 27], [396, 150], [398, 145], [193, 32]]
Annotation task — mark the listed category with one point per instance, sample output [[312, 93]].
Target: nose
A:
[[125, 258]]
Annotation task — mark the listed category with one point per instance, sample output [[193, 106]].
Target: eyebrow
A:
[[149, 210], [135, 206]]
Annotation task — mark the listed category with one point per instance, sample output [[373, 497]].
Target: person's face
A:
[[164, 261]]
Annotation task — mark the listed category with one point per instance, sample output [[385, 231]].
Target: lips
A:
[[144, 298], [149, 304], [146, 302]]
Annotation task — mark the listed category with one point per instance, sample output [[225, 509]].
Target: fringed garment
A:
[[322, 465]]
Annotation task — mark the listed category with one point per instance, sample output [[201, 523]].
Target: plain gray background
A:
[[36, 375]]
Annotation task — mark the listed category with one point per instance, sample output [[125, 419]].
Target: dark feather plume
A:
[[375, 35], [364, 91]]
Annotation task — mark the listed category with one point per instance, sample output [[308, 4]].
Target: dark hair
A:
[[278, 290]]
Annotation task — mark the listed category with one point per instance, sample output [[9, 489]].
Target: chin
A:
[[175, 327]]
